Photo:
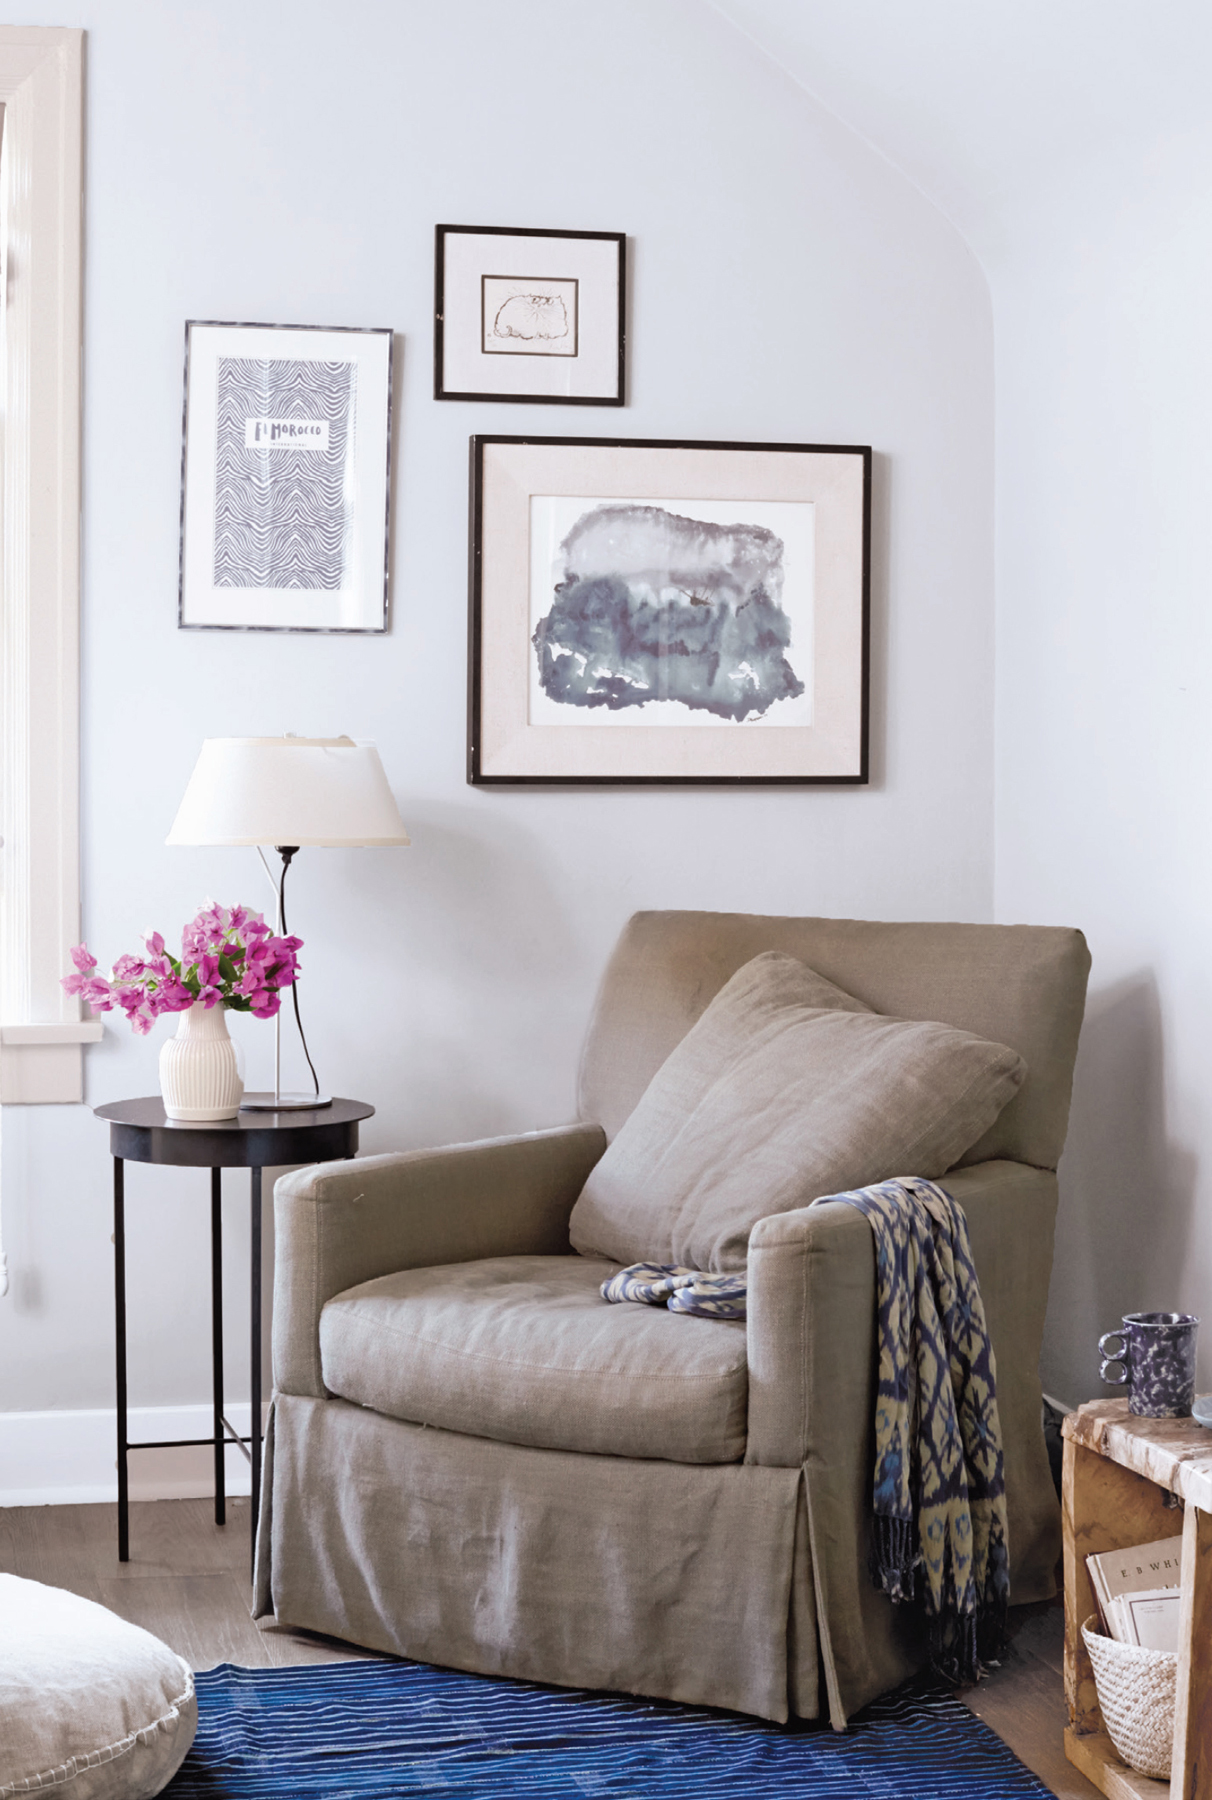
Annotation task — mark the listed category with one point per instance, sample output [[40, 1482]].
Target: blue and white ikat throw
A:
[[681, 1290], [940, 1498]]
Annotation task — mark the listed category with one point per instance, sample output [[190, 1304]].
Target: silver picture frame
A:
[[285, 478]]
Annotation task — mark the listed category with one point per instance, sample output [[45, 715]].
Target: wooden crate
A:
[[1124, 1478]]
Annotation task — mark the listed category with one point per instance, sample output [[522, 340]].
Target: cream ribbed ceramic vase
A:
[[199, 1073]]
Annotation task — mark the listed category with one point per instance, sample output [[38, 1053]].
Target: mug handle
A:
[[1111, 1357]]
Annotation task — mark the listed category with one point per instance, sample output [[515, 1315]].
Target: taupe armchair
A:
[[473, 1461]]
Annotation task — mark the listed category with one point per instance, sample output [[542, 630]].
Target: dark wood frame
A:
[[475, 775], [441, 392]]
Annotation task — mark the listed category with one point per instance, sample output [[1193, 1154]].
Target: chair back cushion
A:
[[1021, 985], [773, 1099]]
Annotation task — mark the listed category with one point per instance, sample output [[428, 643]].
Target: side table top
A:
[[1175, 1453], [149, 1111], [140, 1132]]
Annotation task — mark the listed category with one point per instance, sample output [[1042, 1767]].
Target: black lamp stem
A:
[[287, 852]]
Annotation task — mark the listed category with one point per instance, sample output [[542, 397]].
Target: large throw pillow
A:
[[785, 1089], [91, 1707]]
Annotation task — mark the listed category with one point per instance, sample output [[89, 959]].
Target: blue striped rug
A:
[[384, 1730]]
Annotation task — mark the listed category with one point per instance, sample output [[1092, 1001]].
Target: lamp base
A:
[[284, 1102]]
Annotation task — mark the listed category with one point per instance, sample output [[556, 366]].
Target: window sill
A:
[[43, 1065], [87, 1033]]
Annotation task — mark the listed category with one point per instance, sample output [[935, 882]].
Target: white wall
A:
[[288, 162], [1072, 147], [1104, 723]]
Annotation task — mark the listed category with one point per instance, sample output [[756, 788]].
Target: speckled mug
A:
[[1157, 1356]]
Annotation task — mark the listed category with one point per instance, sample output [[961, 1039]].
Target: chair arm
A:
[[1011, 1213], [340, 1223], [812, 1366], [811, 1334], [812, 1384], [812, 1307]]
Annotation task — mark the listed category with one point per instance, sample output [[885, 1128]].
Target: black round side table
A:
[[139, 1132]]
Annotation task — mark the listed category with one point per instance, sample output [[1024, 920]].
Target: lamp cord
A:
[[286, 852]]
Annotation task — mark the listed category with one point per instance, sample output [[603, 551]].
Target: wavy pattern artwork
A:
[[282, 514]]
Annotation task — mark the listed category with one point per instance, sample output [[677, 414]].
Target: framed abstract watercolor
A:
[[285, 475], [653, 611], [529, 315]]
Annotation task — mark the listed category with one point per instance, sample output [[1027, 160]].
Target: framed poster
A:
[[529, 315], [285, 471], [653, 611]]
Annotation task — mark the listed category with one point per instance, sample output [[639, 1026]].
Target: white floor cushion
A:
[[89, 1705]]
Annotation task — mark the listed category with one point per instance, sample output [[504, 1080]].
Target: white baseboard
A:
[[70, 1458]]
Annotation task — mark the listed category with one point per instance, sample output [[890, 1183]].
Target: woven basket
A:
[[1136, 1698]]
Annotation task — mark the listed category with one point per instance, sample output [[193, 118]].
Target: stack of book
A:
[[1138, 1592]]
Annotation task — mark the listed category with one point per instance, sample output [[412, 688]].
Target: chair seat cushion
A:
[[524, 1349], [784, 1090]]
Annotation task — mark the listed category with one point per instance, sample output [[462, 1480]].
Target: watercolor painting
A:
[[655, 612], [528, 316]]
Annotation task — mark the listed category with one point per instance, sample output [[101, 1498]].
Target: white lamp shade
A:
[[330, 792]]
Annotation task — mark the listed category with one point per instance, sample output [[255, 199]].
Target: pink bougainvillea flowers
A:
[[229, 957]]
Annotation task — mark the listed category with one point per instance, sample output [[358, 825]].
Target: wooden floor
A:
[[187, 1581], [1024, 1700]]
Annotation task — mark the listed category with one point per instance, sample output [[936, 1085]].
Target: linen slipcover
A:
[[331, 1550], [773, 1098], [650, 1577], [539, 1563], [522, 1348]]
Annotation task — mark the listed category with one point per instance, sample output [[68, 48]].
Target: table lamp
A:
[[288, 792]]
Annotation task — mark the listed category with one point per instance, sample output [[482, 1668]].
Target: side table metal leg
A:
[[254, 1428], [216, 1339], [120, 1356]]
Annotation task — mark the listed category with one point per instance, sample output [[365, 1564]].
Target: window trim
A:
[[41, 1032]]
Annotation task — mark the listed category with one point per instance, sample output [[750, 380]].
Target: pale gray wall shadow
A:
[[881, 534], [1126, 1189], [475, 895], [396, 496]]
